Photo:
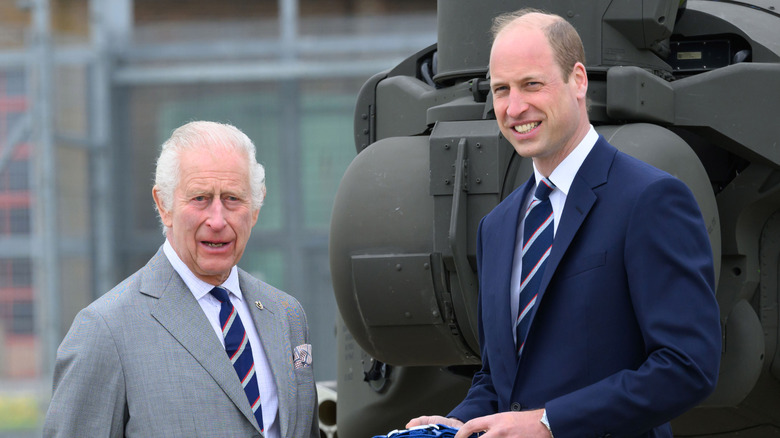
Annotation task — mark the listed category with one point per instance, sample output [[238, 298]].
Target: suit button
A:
[[516, 407]]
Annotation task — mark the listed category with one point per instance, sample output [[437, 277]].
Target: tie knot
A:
[[220, 294], [544, 189]]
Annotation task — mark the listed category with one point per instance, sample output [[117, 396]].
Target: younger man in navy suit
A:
[[620, 331]]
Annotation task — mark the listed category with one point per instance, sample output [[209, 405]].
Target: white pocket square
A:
[[302, 356]]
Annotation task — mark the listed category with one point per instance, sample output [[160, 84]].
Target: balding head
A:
[[561, 35]]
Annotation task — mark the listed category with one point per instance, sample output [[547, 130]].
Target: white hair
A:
[[210, 136]]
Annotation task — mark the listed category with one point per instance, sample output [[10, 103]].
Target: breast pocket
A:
[[584, 263], [304, 375]]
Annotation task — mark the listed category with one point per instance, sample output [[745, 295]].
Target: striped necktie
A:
[[239, 351], [537, 242]]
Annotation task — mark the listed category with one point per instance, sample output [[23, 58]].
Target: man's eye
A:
[[199, 198]]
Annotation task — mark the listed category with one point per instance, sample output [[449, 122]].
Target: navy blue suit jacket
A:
[[626, 333]]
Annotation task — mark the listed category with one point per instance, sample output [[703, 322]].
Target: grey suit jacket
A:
[[143, 361]]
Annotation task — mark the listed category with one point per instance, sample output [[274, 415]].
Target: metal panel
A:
[[483, 156], [391, 289]]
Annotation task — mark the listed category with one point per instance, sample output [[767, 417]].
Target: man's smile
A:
[[525, 128]]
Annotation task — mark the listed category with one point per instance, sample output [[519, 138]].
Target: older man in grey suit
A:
[[190, 345]]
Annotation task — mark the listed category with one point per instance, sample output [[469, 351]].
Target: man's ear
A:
[[580, 78], [255, 215], [165, 215]]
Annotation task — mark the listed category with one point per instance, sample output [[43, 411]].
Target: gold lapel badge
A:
[[259, 305]]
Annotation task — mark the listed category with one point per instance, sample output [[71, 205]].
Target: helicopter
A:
[[691, 87]]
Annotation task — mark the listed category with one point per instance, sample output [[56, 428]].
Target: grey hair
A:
[[211, 136]]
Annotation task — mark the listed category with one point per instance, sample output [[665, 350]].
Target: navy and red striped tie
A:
[[239, 351], [537, 242]]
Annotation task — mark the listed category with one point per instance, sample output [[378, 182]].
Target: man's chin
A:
[[212, 273]]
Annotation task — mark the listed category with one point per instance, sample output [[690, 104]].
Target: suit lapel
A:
[[181, 315], [271, 324], [498, 261], [581, 198]]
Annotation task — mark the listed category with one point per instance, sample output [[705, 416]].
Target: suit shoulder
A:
[[627, 166], [633, 182], [633, 177], [119, 296], [127, 292]]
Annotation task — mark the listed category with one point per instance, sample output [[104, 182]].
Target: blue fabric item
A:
[[430, 430]]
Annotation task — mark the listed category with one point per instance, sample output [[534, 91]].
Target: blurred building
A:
[[89, 89]]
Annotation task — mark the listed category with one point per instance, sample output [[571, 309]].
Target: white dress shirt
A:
[[211, 306], [562, 177]]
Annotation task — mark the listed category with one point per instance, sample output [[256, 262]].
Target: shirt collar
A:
[[198, 287], [563, 175]]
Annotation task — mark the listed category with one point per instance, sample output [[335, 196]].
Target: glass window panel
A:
[[5, 273], [21, 272], [20, 221], [22, 315], [265, 264], [15, 82], [327, 149], [19, 175]]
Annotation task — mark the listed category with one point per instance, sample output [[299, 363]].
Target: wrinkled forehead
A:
[[213, 160]]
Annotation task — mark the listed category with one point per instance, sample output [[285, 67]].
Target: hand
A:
[[524, 424], [435, 419]]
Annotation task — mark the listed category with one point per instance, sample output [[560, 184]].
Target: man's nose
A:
[[517, 104], [216, 217]]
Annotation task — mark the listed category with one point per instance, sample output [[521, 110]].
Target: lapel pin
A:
[[259, 305]]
